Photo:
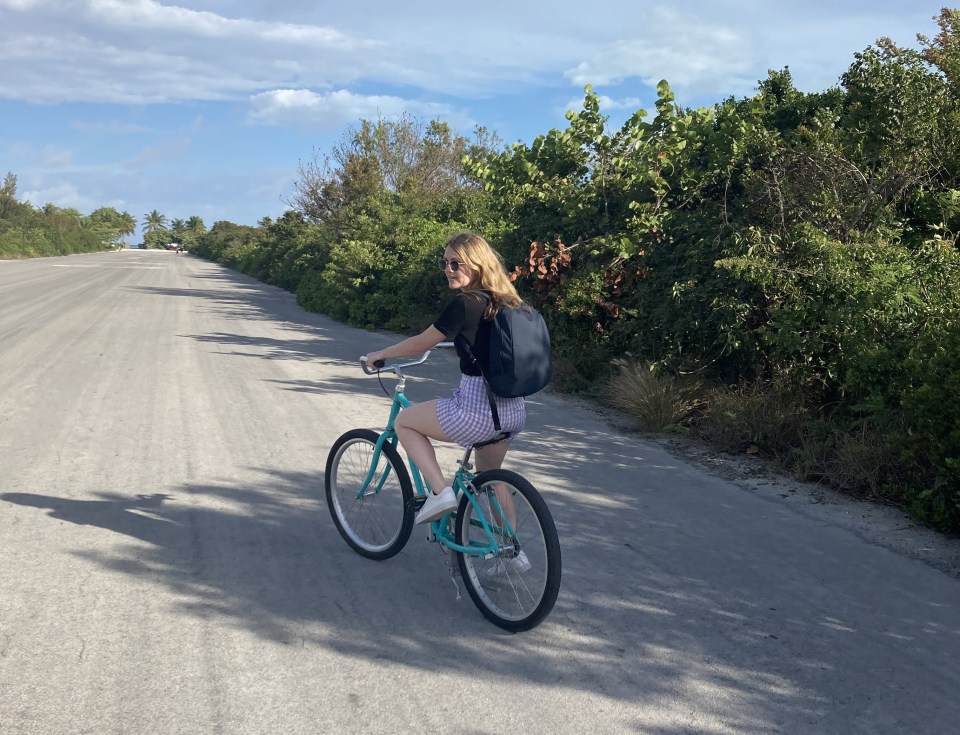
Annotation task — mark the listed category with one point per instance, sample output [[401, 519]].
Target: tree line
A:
[[158, 232], [27, 231]]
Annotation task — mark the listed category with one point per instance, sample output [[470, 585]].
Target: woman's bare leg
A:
[[415, 427], [491, 457]]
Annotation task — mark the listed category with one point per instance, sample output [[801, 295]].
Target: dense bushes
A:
[[795, 252]]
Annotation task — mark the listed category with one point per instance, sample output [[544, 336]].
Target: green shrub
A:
[[931, 405], [767, 415], [310, 292]]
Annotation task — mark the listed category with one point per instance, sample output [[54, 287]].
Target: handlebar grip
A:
[[379, 363]]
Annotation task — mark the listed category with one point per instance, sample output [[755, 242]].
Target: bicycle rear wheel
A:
[[517, 588], [376, 524]]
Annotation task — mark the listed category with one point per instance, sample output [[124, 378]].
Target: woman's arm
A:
[[410, 347]]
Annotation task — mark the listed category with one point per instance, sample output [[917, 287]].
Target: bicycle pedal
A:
[[416, 503]]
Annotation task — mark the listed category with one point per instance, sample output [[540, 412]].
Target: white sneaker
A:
[[437, 505], [503, 566]]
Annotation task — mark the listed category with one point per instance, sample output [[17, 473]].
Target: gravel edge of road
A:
[[883, 525]]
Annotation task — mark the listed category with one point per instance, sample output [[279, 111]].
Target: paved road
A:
[[167, 564]]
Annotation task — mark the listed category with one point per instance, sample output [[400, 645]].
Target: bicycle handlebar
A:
[[380, 366]]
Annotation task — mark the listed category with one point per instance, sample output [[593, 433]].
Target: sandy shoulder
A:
[[884, 525]]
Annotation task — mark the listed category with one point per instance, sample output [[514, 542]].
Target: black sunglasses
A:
[[454, 264]]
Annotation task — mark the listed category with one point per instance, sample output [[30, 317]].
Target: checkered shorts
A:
[[465, 417]]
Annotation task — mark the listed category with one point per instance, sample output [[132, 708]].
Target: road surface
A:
[[167, 563]]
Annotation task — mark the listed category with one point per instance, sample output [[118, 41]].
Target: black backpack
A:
[[520, 363]]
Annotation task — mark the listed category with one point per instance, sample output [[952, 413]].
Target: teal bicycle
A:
[[501, 534]]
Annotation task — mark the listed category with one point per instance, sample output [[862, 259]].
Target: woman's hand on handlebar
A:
[[375, 359]]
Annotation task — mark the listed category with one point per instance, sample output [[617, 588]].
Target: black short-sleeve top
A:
[[463, 316]]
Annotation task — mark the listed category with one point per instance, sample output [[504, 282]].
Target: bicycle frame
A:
[[462, 483]]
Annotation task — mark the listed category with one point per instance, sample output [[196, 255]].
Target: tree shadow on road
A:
[[657, 612]]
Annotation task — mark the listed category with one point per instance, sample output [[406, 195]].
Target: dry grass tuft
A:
[[658, 402]]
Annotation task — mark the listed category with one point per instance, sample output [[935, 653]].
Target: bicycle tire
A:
[[379, 524], [513, 599]]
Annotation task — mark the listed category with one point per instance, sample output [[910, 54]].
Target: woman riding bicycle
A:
[[476, 270]]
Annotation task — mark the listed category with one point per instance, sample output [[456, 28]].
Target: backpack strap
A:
[[490, 397], [493, 405]]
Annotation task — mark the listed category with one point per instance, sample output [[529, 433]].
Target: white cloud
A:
[[689, 51], [141, 51], [333, 110], [163, 18], [148, 51], [711, 51], [607, 104], [62, 194], [144, 52]]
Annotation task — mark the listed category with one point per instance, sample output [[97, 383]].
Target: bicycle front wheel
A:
[[377, 522], [518, 586]]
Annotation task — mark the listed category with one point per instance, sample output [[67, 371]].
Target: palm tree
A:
[[154, 224], [126, 225], [195, 224], [154, 221]]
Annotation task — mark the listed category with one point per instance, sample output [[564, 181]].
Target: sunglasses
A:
[[454, 265]]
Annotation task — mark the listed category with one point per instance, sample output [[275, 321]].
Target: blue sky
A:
[[207, 107]]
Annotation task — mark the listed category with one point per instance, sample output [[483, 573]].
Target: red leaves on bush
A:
[[545, 266]]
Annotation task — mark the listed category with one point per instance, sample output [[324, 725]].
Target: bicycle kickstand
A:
[[454, 573]]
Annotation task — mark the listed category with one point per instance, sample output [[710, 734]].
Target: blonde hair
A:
[[489, 273]]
